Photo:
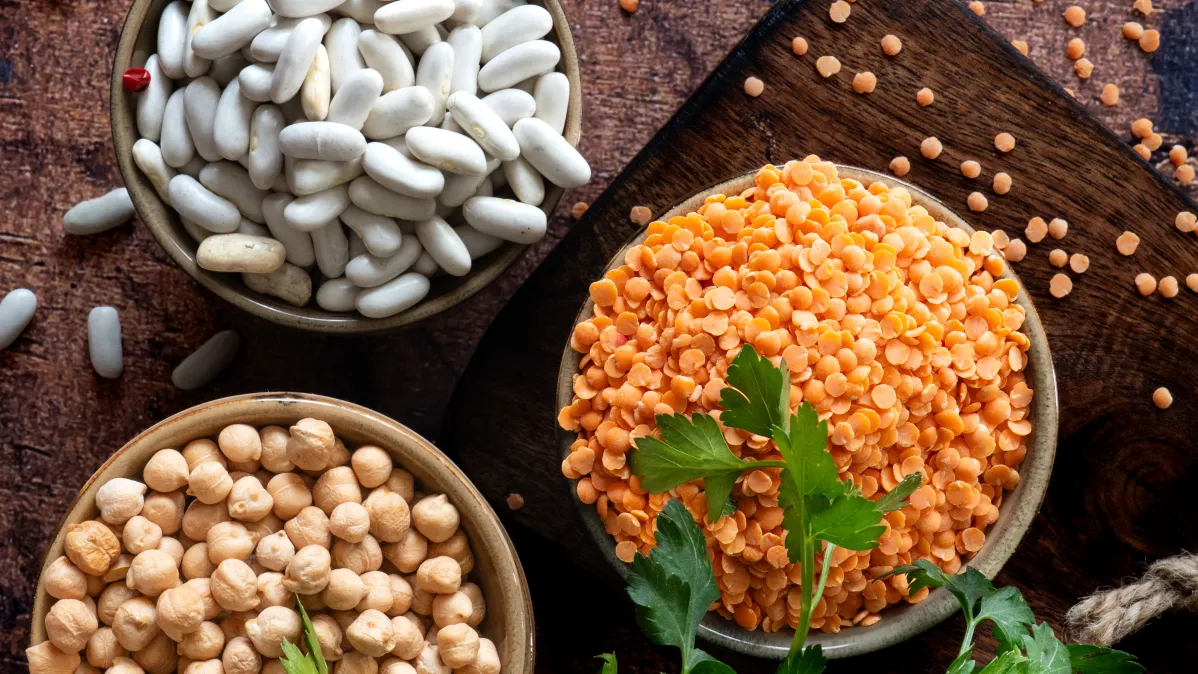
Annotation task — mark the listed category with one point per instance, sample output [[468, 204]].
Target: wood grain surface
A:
[[1110, 509]]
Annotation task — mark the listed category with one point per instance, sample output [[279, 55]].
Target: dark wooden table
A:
[[58, 421]]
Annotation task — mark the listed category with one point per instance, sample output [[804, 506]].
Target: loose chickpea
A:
[[439, 575], [159, 656], [486, 662], [389, 515], [371, 633], [273, 441], [210, 483], [1002, 183], [372, 465], [344, 590], [103, 648], [119, 499], [401, 482], [275, 667], [329, 635], [165, 509], [240, 443], [204, 667], [971, 169], [336, 486], [45, 658], [179, 611], [196, 562], [230, 540], [134, 624], [234, 586], [310, 444], [409, 638], [203, 589], [309, 527], [290, 494], [119, 569], [166, 471], [977, 202], [1057, 228], [239, 656], [408, 553], [350, 522], [95, 585], [309, 570], [69, 624], [450, 609], [422, 602], [205, 643], [111, 599], [377, 595], [395, 666], [356, 663], [272, 591], [457, 644], [401, 595], [272, 625], [456, 546], [435, 517], [478, 604], [140, 534], [264, 527], [249, 501], [365, 555], [429, 661], [202, 451], [172, 547], [92, 547], [1150, 41], [233, 625], [339, 456], [152, 572], [200, 517], [64, 580], [275, 551]]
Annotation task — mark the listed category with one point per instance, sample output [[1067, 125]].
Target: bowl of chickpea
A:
[[900, 323], [191, 547]]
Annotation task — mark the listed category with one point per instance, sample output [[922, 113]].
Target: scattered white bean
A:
[[255, 80], [148, 158], [476, 242], [444, 246], [199, 105], [368, 195], [295, 60], [172, 39], [337, 295], [552, 97], [297, 244], [288, 283], [16, 311], [233, 115], [484, 125], [392, 297], [332, 249], [467, 43], [396, 112], [512, 105], [419, 41], [446, 150], [197, 233], [314, 211], [425, 265], [230, 181], [151, 103], [199, 16], [435, 73], [550, 154], [357, 96], [380, 236], [240, 253], [232, 30], [104, 342], [251, 228], [208, 361], [269, 44], [226, 68], [356, 247], [392, 169], [342, 44], [100, 214], [382, 53], [298, 8], [525, 181], [518, 63], [368, 271], [309, 176], [458, 189], [265, 157], [317, 90], [505, 218], [322, 140], [515, 26], [177, 147], [408, 16], [198, 204]]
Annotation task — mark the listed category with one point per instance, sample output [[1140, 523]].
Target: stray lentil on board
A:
[[1162, 398], [925, 97], [798, 46], [865, 82], [893, 326], [900, 166]]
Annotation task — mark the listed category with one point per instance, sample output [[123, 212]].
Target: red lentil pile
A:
[[897, 328]]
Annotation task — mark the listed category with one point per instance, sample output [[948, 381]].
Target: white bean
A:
[[298, 8], [550, 154], [100, 214], [317, 90], [383, 54], [419, 41], [484, 125], [332, 249], [208, 361], [177, 146], [353, 103], [493, 9], [313, 211], [408, 16], [485, 188], [148, 158], [368, 195], [444, 246], [297, 244], [269, 44], [226, 68], [342, 43], [379, 234], [425, 265], [193, 167], [104, 342], [232, 30], [199, 106], [368, 271], [458, 189], [447, 150], [515, 26], [151, 103], [266, 159], [16, 311], [238, 252], [251, 228], [295, 60], [512, 105], [356, 247], [396, 112], [518, 63], [232, 182], [198, 204], [309, 176], [393, 297], [507, 219], [234, 113], [435, 72], [172, 39], [392, 169], [224, 5], [255, 80], [552, 96], [526, 183], [450, 125], [322, 140], [361, 11], [200, 15], [476, 242], [337, 295], [197, 233], [288, 283], [467, 11], [466, 41]]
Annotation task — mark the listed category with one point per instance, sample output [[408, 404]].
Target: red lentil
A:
[[1150, 41], [754, 87], [1002, 183], [865, 82], [925, 97], [891, 45], [1168, 287], [1004, 142], [799, 46], [1133, 30], [1075, 16], [900, 166]]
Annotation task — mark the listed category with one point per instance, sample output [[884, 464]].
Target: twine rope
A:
[[1106, 617]]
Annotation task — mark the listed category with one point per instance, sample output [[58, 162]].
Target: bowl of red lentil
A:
[[900, 323]]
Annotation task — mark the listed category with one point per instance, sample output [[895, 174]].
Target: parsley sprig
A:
[[295, 661]]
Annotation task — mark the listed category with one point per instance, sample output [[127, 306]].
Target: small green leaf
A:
[[1011, 662], [609, 663], [682, 551], [810, 660], [294, 661], [964, 663], [689, 449], [968, 587], [850, 521], [795, 528], [702, 663], [804, 448], [663, 602], [1044, 650], [1009, 612], [1087, 659], [310, 639], [757, 397], [897, 498], [921, 574], [729, 507]]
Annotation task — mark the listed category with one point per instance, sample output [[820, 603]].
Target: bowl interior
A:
[[1019, 506], [138, 42], [509, 618]]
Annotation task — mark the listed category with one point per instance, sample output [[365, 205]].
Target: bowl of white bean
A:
[[189, 548], [347, 166]]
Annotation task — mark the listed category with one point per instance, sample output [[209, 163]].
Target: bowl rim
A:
[[1003, 536], [163, 223], [519, 618]]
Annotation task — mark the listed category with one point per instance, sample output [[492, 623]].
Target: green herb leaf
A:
[[964, 664], [1011, 662], [792, 522], [968, 587], [310, 639], [1009, 612], [703, 663], [689, 449], [804, 448], [921, 574], [663, 602], [897, 498], [758, 394], [609, 663], [294, 661], [729, 507], [1088, 659], [1044, 650], [810, 660], [850, 521]]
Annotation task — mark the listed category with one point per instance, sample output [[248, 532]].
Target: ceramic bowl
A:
[[902, 621], [138, 42], [497, 570]]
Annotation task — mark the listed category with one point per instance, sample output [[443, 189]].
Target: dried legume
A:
[[1168, 287], [1162, 398], [1127, 243]]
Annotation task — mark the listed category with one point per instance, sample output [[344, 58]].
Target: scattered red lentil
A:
[[1060, 286], [925, 97], [1002, 183], [1020, 46], [1141, 127], [977, 202], [1005, 142], [1058, 257], [1192, 282], [754, 87], [1079, 263], [1178, 155], [1083, 68], [977, 8], [827, 65], [1150, 41], [864, 82], [515, 501], [1168, 287], [1162, 398], [891, 45], [971, 169], [578, 209], [1127, 243], [629, 5], [900, 166], [1142, 6], [1075, 49], [799, 46], [1015, 251], [1145, 283], [1075, 16], [1184, 174], [839, 11], [1109, 95], [931, 147], [1133, 30], [641, 215], [1036, 230], [1000, 239], [1058, 227], [1153, 141], [1143, 151], [1186, 221]]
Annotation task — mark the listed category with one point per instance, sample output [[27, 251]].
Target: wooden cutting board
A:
[[1121, 488]]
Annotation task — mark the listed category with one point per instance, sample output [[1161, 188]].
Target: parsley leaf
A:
[[702, 663], [757, 397], [310, 639], [295, 662], [850, 521], [964, 663], [1044, 650], [1008, 611], [609, 663], [729, 507], [968, 587], [897, 498], [689, 449], [1088, 659], [1011, 662], [804, 448], [810, 660]]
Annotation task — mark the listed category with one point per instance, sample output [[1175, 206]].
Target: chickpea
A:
[[486, 662], [247, 467], [165, 509], [274, 551], [152, 572], [457, 547], [357, 663], [229, 540], [451, 609], [111, 599], [401, 482], [120, 499], [290, 494], [240, 443], [350, 522], [64, 580], [435, 517], [457, 644], [409, 552], [371, 633], [159, 656], [87, 668], [336, 486], [271, 627], [204, 667], [197, 563], [202, 451], [308, 571], [203, 589], [180, 611], [210, 483], [310, 444], [395, 666], [234, 624], [241, 658], [103, 648], [401, 595], [134, 624], [378, 592], [69, 624], [92, 547], [45, 658], [166, 471], [429, 661], [234, 586], [119, 569], [271, 591], [479, 604], [422, 602], [409, 638], [206, 643], [439, 575], [344, 591], [328, 635], [200, 517], [358, 557], [372, 465], [314, 602], [172, 547], [390, 517], [274, 441], [265, 526], [249, 501], [140, 534], [95, 585], [339, 456], [273, 667]]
